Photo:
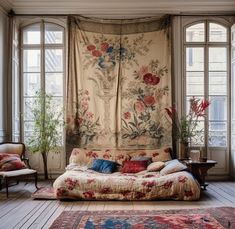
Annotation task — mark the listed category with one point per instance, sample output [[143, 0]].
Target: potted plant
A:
[[185, 127], [48, 123]]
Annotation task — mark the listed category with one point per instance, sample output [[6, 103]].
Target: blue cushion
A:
[[104, 166]]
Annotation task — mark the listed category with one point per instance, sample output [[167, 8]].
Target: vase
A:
[[183, 153]]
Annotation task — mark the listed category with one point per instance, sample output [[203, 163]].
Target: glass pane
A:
[[54, 60], [217, 59], [53, 34], [217, 134], [198, 139], [217, 33], [217, 83], [194, 59], [54, 83], [32, 34], [188, 105], [31, 83], [57, 106], [31, 58], [195, 83], [29, 126], [28, 105], [196, 33], [218, 108]]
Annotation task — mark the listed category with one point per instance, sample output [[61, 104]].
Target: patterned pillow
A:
[[149, 159], [104, 166], [9, 162], [134, 166], [173, 167], [155, 166]]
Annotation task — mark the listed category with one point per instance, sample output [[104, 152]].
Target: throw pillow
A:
[[11, 162], [134, 166], [155, 166], [172, 167], [104, 166], [149, 159]]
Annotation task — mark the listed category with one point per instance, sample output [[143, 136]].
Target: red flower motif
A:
[[139, 106], [151, 79], [89, 195], [106, 156], [149, 100], [96, 53], [61, 192], [168, 184], [91, 154], [142, 154], [155, 154], [188, 193], [127, 115], [70, 184], [80, 120], [149, 184], [90, 47], [182, 179], [139, 195], [104, 46], [170, 111], [125, 193]]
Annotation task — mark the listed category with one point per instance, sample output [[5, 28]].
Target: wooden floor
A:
[[20, 211]]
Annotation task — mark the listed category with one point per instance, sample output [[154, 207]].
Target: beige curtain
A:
[[119, 83]]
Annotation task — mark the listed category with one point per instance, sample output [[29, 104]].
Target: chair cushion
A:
[[10, 148], [9, 162], [16, 173], [134, 166], [104, 166]]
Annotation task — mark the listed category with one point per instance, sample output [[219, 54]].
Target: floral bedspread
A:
[[81, 183]]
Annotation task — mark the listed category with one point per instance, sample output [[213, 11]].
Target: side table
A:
[[199, 170]]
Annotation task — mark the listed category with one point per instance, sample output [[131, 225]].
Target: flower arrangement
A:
[[186, 125]]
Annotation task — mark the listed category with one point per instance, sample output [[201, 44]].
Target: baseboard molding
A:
[[218, 178]]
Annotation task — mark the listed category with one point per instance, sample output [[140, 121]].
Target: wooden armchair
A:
[[16, 148]]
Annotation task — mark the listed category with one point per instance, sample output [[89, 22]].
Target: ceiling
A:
[[118, 8]]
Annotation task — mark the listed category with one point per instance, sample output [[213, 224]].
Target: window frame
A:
[[206, 44], [42, 47]]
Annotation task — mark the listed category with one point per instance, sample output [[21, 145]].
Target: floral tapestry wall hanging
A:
[[119, 84]]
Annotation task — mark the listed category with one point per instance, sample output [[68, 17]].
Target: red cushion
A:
[[134, 166], [9, 162]]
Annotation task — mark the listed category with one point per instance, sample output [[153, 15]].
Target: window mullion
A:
[[206, 86]]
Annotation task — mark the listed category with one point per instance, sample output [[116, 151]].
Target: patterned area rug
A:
[[44, 193], [210, 218]]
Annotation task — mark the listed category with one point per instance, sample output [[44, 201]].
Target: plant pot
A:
[[183, 153]]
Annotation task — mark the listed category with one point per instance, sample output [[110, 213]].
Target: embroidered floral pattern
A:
[[145, 95], [82, 126]]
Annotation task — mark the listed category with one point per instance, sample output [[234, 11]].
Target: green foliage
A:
[[48, 120]]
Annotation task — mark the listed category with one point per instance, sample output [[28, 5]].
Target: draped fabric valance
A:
[[119, 83]]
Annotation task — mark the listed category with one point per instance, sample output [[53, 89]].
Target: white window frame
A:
[[42, 46]]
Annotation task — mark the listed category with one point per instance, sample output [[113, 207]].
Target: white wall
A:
[[3, 74]]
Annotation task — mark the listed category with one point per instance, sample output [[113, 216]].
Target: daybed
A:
[[80, 182]]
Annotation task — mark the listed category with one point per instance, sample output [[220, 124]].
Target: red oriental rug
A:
[[44, 193], [213, 218]]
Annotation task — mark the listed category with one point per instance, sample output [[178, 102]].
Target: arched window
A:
[[206, 74], [42, 67]]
